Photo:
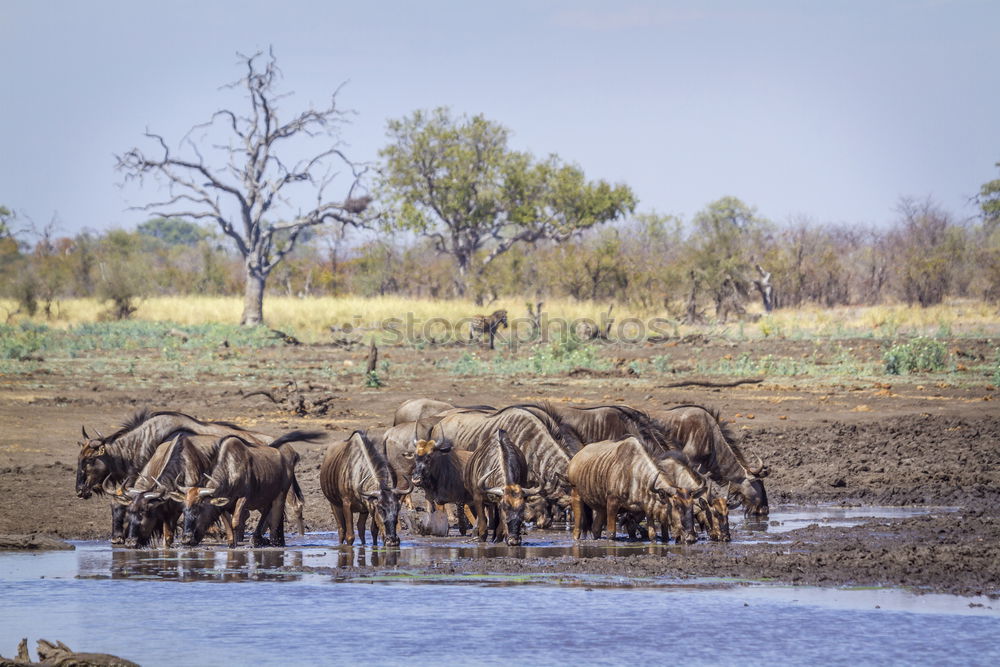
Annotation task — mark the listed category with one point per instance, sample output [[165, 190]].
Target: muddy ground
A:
[[916, 440]]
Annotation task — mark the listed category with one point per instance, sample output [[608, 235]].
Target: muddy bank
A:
[[953, 553], [915, 460], [33, 543]]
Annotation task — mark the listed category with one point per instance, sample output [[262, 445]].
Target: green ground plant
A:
[[560, 356], [920, 355]]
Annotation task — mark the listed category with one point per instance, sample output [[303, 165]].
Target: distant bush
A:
[[920, 355], [22, 342], [559, 356]]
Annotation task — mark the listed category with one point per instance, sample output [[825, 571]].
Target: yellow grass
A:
[[311, 318]]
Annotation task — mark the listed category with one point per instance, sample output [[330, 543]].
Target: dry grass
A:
[[311, 318]]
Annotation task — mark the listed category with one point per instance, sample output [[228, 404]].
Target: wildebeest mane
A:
[[380, 467], [562, 432], [729, 435], [145, 414]]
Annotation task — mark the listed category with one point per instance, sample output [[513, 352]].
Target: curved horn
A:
[[760, 466], [152, 495], [400, 491], [134, 492], [110, 490], [99, 436], [207, 491], [83, 429]]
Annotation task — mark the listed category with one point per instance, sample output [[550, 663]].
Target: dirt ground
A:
[[854, 441]]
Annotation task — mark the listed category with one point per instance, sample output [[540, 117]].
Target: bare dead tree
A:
[[249, 191], [765, 288]]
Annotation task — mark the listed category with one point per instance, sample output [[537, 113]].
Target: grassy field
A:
[[311, 319]]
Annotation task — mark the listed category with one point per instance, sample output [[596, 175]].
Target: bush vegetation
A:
[[920, 355]]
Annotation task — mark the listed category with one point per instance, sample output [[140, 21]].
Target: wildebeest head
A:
[[384, 504], [500, 317], [92, 465], [141, 516], [751, 493], [202, 508], [424, 453], [513, 500], [676, 508], [713, 512]]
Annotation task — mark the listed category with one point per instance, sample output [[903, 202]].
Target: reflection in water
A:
[[322, 550], [197, 565]]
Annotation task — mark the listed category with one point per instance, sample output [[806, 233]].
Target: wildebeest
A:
[[398, 445], [355, 477], [487, 325], [711, 447], [416, 409], [245, 478], [439, 469], [711, 512], [495, 476], [149, 509], [114, 461], [698, 433], [546, 447], [630, 475]]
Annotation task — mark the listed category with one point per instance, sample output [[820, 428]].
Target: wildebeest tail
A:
[[298, 436]]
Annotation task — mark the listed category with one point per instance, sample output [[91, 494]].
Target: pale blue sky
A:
[[831, 110]]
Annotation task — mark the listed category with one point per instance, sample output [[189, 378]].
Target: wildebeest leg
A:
[[168, 533], [650, 528], [482, 529], [675, 522], [612, 518], [276, 521], [227, 522], [597, 523], [348, 537], [258, 539], [338, 515], [463, 521], [495, 517], [374, 528], [578, 518], [362, 524], [240, 516], [118, 523]]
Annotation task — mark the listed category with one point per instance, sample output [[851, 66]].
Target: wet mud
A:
[[855, 446]]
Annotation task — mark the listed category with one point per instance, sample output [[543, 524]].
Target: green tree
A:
[[929, 249], [6, 218], [173, 231], [988, 241], [248, 190], [989, 202], [456, 182], [728, 237]]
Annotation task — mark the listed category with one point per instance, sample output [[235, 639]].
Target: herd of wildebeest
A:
[[674, 473]]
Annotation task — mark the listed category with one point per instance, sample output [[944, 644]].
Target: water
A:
[[290, 607]]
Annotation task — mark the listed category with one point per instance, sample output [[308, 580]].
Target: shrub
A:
[[920, 355], [22, 342]]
